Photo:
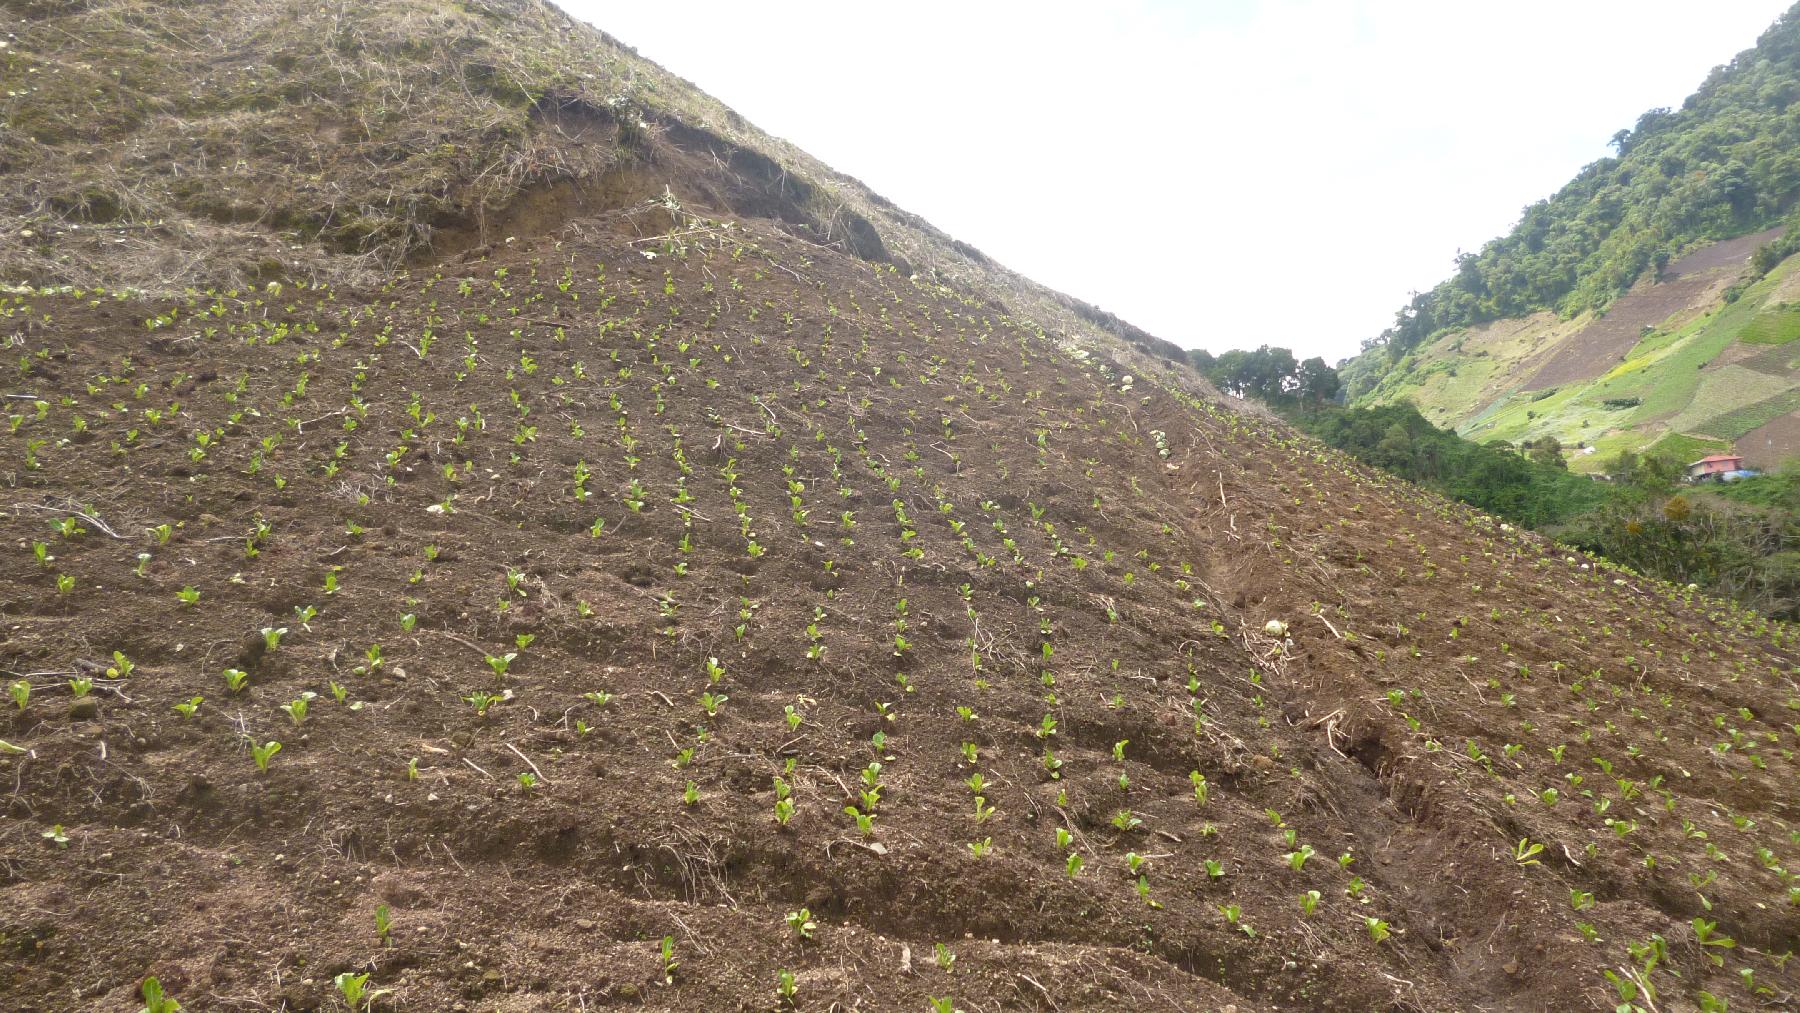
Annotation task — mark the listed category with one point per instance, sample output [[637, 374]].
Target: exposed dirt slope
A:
[[1602, 344], [1691, 282], [1013, 563]]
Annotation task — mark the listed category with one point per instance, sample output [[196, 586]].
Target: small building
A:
[[1714, 468]]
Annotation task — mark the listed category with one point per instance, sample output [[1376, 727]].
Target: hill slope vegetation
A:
[[668, 609], [1643, 306]]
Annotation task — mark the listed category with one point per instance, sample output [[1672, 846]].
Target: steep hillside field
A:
[[526, 547], [1690, 363], [718, 590]]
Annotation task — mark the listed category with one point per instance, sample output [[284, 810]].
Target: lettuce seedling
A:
[[1525, 852], [481, 701], [355, 990], [235, 679], [121, 666], [155, 1001], [188, 595], [20, 691], [297, 707], [188, 709], [263, 753], [1706, 933], [383, 925], [802, 923], [865, 822], [785, 986], [669, 963]]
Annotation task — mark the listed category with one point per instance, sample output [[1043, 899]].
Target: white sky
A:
[[1222, 173]]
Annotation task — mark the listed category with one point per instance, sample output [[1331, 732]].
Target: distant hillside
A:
[[1701, 360], [1643, 305]]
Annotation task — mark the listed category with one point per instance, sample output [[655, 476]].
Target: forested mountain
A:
[[1725, 164]]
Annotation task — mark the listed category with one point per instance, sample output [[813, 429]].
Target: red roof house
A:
[[1711, 467]]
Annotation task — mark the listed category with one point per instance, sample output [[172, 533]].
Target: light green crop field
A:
[[1687, 448], [1775, 325], [1734, 424], [1724, 393]]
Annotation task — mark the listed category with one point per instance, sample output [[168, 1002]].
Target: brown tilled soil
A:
[[1602, 344], [1730, 254], [1688, 282], [1771, 444], [864, 544]]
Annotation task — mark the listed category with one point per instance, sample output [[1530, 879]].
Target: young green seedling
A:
[[155, 1000], [802, 923], [296, 708], [355, 990], [263, 753], [785, 987]]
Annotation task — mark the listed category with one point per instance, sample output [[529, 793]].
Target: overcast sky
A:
[[1223, 173]]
